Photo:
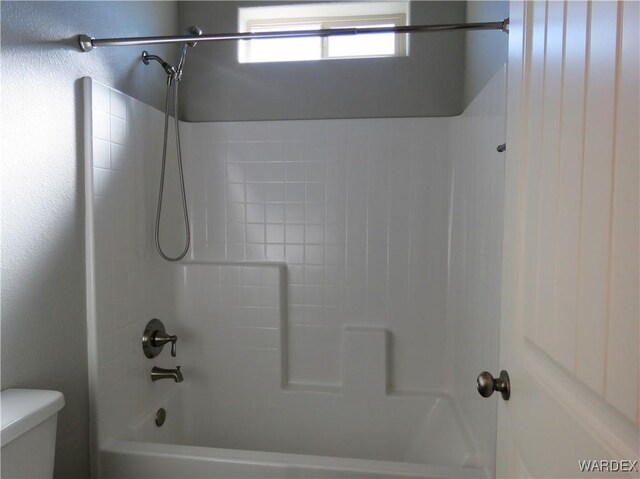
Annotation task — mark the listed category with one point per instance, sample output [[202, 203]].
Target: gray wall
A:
[[429, 82], [485, 52], [43, 274]]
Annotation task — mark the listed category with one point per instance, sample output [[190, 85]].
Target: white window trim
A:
[[326, 16]]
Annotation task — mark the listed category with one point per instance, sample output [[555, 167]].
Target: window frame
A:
[[326, 22]]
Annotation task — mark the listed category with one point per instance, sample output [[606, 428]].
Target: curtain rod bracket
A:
[[86, 43], [505, 26]]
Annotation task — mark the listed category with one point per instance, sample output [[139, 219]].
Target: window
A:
[[322, 16]]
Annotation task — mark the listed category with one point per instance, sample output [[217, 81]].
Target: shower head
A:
[[146, 58], [182, 53]]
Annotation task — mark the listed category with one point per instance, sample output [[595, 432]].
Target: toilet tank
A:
[[28, 435]]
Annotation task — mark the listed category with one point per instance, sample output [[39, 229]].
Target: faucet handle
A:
[[155, 337], [160, 338]]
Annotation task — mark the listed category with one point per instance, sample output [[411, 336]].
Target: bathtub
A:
[[177, 450], [138, 460]]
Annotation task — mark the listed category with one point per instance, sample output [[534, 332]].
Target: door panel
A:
[[569, 333]]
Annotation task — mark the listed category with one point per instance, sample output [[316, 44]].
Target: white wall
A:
[[43, 293], [475, 259], [356, 208]]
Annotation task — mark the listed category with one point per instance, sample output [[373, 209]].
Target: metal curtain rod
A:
[[88, 43]]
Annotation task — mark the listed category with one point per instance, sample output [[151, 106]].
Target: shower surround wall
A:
[[331, 267], [356, 210], [344, 221], [127, 283]]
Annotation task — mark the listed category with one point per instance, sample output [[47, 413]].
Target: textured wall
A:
[[43, 293], [485, 52], [429, 82]]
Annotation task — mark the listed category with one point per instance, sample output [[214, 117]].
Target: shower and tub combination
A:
[[303, 299]]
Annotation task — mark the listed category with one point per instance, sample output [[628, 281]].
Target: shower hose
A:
[[172, 87]]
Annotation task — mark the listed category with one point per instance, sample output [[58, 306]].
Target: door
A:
[[569, 332]]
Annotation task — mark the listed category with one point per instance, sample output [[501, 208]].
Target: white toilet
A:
[[29, 420]]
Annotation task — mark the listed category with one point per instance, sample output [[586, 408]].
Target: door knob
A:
[[487, 384]]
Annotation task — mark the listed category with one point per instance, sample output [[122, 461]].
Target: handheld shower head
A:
[[174, 74], [182, 53]]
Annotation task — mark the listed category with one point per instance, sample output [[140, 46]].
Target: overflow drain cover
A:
[[161, 415]]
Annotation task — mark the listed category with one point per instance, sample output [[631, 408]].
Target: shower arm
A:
[[88, 43]]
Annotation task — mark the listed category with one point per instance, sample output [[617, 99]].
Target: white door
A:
[[569, 330]]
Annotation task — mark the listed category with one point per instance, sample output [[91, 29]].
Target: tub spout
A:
[[160, 373]]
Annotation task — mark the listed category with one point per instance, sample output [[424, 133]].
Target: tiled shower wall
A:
[[475, 252], [355, 209], [358, 211], [127, 283]]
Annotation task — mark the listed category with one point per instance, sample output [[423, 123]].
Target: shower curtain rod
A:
[[88, 43]]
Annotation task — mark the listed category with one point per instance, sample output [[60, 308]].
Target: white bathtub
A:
[[142, 460], [437, 449]]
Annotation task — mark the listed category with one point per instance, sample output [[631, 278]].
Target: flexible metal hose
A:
[[187, 229]]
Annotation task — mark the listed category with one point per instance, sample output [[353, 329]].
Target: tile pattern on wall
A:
[[316, 249], [356, 209], [127, 284], [232, 328], [317, 280]]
